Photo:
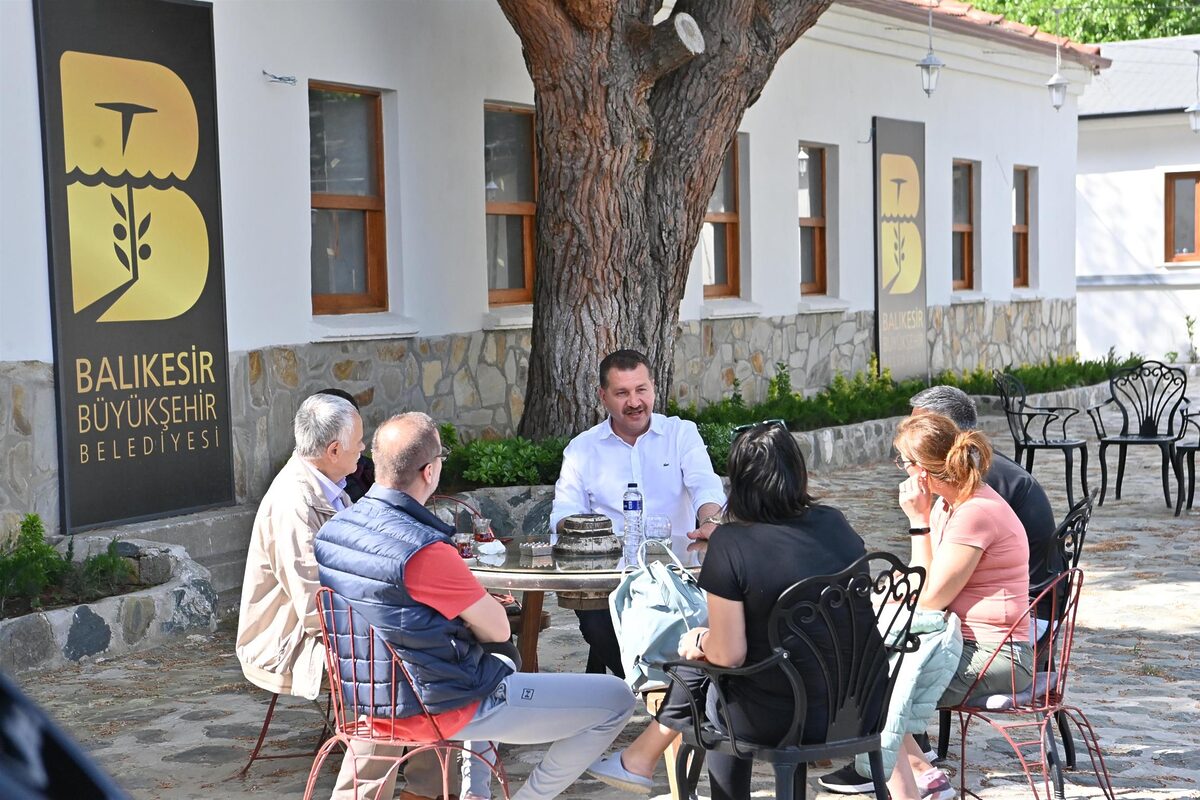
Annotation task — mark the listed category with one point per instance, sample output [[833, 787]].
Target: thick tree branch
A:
[[663, 48], [532, 18], [592, 15], [788, 19]]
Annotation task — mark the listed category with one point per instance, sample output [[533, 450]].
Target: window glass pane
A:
[[808, 255], [724, 197], [339, 251], [812, 203], [956, 250], [1185, 217], [505, 252], [1018, 251], [341, 127], [713, 253], [508, 156], [962, 194], [1020, 213]]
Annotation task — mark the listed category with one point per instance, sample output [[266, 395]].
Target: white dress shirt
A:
[[669, 462], [333, 491]]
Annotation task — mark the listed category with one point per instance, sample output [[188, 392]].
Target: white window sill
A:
[[1025, 294], [353, 327], [821, 304], [506, 318], [729, 308], [964, 297]]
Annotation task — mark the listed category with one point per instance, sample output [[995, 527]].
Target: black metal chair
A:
[[1186, 448], [1149, 397], [1061, 553], [849, 625], [1036, 428]]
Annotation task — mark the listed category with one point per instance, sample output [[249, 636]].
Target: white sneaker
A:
[[610, 770]]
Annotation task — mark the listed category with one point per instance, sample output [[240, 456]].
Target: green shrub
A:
[[104, 573], [717, 436], [29, 565], [506, 462]]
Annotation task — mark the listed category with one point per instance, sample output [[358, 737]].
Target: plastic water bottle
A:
[[631, 506]]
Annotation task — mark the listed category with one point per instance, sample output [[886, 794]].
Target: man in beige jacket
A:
[[278, 639]]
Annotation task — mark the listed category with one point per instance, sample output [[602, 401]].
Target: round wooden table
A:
[[580, 583]]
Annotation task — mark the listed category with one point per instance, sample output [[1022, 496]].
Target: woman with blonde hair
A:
[[976, 556]]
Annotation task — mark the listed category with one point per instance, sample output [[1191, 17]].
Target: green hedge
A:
[[866, 396]]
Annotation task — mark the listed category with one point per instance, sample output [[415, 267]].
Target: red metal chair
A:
[[373, 672], [262, 735], [1025, 718]]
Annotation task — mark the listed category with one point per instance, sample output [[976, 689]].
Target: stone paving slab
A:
[[175, 722]]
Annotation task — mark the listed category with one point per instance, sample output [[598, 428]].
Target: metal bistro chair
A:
[[262, 735], [850, 625], [1186, 447], [364, 676], [1148, 396], [1062, 553], [1036, 428], [1024, 718]]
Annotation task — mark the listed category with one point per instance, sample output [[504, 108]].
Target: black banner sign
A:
[[900, 310], [129, 134]]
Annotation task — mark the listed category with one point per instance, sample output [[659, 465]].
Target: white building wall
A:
[[438, 62], [1120, 236]]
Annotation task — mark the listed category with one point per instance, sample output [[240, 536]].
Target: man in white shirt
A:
[[665, 456]]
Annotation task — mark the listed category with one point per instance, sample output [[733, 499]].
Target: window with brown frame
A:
[[1020, 225], [811, 169], [510, 186], [962, 257], [719, 239], [1182, 216], [349, 252]]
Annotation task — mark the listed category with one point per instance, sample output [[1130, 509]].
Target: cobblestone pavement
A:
[[177, 721]]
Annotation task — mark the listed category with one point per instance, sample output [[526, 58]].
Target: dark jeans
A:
[[604, 652], [728, 777]]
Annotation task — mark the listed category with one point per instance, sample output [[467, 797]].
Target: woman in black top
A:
[[776, 535]]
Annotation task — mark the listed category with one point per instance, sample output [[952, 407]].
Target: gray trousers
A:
[[579, 715]]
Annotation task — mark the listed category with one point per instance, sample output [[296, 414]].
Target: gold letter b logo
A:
[[139, 245]]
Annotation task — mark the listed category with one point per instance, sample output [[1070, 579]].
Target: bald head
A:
[[402, 447]]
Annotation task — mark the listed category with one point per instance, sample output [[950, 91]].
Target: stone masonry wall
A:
[[477, 380]]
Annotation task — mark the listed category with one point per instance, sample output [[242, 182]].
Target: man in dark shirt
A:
[[1019, 489]]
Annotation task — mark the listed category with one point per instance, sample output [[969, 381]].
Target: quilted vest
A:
[[361, 554]]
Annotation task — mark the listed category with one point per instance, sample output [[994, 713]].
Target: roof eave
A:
[[969, 27]]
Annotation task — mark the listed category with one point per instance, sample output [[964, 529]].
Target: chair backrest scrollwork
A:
[[848, 625], [1149, 395], [1012, 397]]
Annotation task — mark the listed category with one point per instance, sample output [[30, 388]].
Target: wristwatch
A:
[[714, 519]]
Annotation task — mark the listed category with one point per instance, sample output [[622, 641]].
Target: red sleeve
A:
[[437, 577]]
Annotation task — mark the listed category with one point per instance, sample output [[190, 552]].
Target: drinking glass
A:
[[658, 527], [483, 529], [463, 541]]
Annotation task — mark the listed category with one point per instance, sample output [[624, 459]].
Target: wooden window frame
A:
[[818, 225], [967, 282], [733, 234], [1169, 209], [1021, 267], [375, 298], [526, 210]]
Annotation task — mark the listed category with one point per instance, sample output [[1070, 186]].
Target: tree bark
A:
[[632, 123]]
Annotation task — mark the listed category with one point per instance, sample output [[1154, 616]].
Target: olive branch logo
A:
[[125, 230]]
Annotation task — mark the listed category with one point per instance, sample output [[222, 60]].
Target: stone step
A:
[[228, 570], [204, 534]]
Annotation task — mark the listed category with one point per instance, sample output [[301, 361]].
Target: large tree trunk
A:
[[633, 122]]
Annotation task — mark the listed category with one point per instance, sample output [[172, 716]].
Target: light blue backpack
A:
[[652, 606]]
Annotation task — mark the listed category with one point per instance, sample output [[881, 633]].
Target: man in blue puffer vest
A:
[[396, 565]]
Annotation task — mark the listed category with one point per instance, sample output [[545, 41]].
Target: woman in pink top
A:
[[976, 556]]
